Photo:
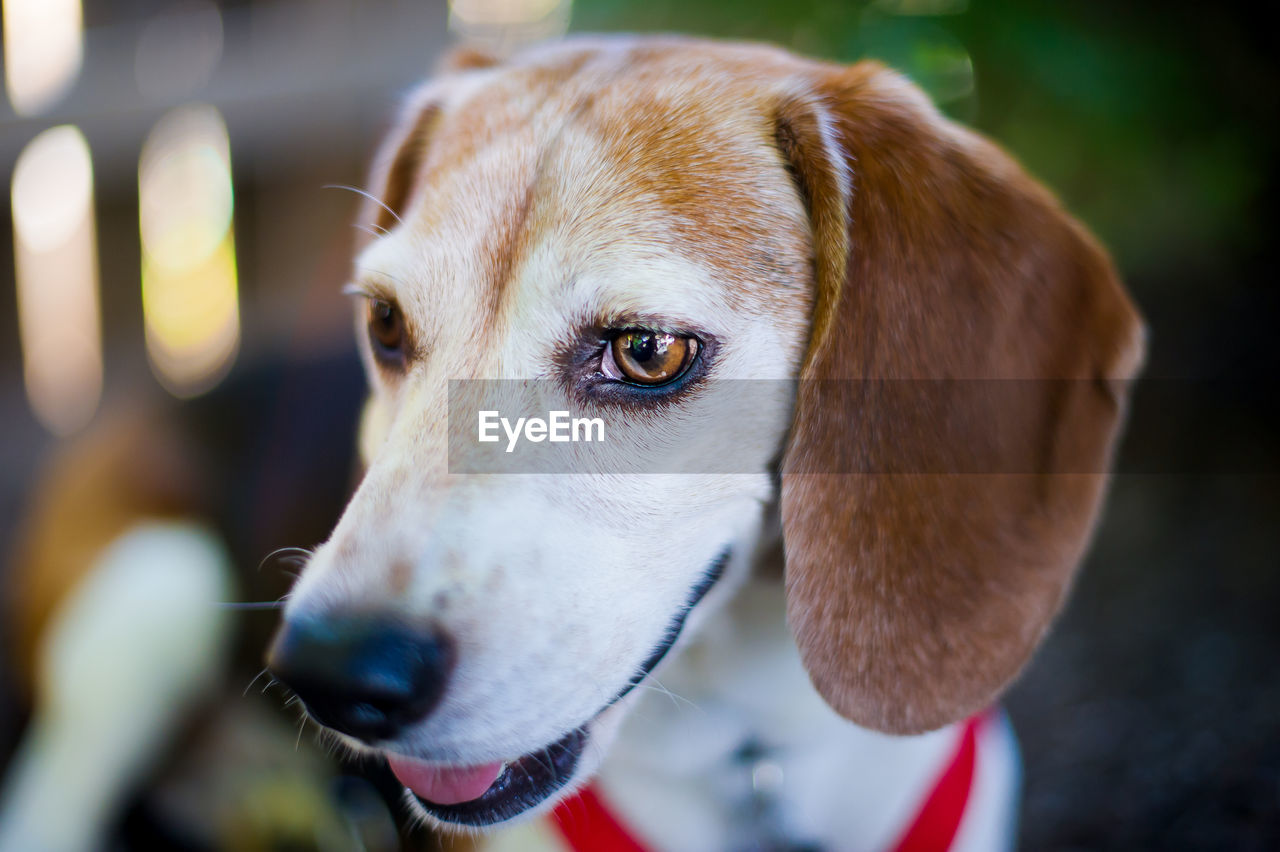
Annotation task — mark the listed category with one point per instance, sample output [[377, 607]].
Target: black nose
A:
[[363, 675]]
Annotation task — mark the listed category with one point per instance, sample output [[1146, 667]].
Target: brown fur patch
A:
[[396, 176], [700, 158]]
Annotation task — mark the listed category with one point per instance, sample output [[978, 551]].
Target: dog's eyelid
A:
[[617, 326], [369, 290]]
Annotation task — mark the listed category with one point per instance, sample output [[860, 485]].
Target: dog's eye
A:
[[649, 358], [386, 330]]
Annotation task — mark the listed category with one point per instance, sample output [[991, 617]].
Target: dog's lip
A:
[[518, 785]]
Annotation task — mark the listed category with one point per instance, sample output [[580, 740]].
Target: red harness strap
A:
[[936, 823], [587, 825]]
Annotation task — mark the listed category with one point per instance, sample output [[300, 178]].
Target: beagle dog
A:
[[935, 359]]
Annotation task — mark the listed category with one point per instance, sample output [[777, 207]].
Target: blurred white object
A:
[[129, 651]]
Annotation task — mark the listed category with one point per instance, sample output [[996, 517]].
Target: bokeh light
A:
[[43, 49], [57, 278], [189, 284], [502, 25]]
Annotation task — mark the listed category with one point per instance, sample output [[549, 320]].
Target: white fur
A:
[[676, 773], [520, 568]]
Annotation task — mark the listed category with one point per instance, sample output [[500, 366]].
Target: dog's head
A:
[[625, 223]]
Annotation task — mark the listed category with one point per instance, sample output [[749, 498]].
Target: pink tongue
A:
[[444, 785]]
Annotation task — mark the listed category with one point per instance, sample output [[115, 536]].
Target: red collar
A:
[[587, 824]]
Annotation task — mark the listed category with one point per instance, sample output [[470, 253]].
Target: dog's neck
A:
[[734, 749], [730, 747]]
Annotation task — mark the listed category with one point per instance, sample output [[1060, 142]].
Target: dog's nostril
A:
[[363, 675]]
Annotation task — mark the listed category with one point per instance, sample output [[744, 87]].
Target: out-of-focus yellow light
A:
[[190, 301], [43, 49], [505, 24], [56, 261], [502, 12]]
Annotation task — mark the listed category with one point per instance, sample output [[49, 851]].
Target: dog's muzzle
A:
[[373, 677]]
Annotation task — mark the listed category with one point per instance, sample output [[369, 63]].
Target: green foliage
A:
[[1127, 114]]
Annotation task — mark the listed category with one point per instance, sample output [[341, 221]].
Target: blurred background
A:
[[172, 253]]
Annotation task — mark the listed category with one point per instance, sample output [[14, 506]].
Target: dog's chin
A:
[[455, 797]]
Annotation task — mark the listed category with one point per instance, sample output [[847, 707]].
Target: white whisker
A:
[[299, 553], [657, 686], [370, 230], [367, 195], [252, 682]]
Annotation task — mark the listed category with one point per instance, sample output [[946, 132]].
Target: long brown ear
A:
[[399, 162], [965, 380], [398, 165]]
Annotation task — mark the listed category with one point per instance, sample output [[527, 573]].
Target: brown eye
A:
[[386, 330], [648, 357]]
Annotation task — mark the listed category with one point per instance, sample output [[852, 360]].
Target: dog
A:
[[939, 358]]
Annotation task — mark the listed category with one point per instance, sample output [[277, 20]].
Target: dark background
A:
[[1151, 719]]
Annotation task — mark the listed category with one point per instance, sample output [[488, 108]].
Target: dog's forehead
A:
[[588, 160]]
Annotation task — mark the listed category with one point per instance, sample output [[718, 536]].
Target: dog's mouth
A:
[[484, 795]]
